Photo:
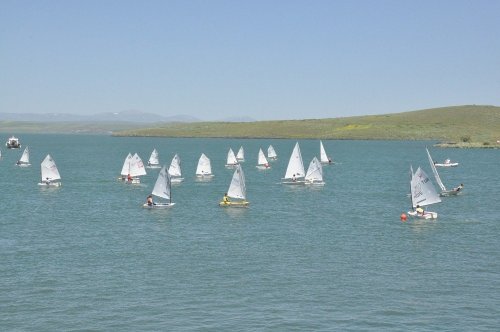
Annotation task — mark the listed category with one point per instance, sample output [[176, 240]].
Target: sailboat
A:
[[125, 168], [25, 158], [231, 160], [175, 170], [237, 190], [241, 155], [262, 161], [271, 153], [204, 168], [422, 194], [295, 169], [135, 169], [314, 173], [447, 163], [50, 173], [322, 154], [162, 189], [154, 161], [444, 191]]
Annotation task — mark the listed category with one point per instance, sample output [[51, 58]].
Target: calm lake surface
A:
[[87, 257]]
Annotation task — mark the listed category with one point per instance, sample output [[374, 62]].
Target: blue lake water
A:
[[87, 257]]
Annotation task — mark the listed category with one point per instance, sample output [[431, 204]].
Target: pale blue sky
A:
[[261, 59]]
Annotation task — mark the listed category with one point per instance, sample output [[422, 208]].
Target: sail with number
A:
[[162, 186], [126, 165], [241, 154], [237, 188], [175, 169], [262, 162], [422, 190], [136, 166]]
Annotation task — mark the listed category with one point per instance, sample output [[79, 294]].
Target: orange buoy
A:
[[403, 217]]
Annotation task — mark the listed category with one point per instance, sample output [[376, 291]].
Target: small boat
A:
[[447, 163], [322, 154], [444, 192], [237, 190], [154, 161], [241, 155], [175, 170], [162, 189], [133, 170], [25, 158], [231, 160], [295, 169], [422, 194], [13, 143], [314, 174], [50, 173], [125, 168], [271, 153], [204, 168], [262, 162]]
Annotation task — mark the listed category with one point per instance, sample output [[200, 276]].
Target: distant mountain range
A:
[[123, 116]]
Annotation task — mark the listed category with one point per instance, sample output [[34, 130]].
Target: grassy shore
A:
[[479, 125]]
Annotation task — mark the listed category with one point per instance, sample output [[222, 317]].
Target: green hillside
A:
[[479, 124]]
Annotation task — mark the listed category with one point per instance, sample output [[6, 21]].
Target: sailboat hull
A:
[[51, 184], [234, 204], [158, 205], [426, 215]]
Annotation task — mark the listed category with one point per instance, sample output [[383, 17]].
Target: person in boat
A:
[[226, 199], [129, 178], [457, 189], [329, 160], [294, 178], [419, 210], [47, 181], [149, 200]]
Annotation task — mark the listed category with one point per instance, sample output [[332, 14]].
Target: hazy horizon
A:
[[262, 60]]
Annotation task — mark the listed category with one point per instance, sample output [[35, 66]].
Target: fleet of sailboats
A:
[[50, 173]]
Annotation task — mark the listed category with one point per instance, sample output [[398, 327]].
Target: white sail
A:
[[314, 172], [204, 167], [262, 160], [271, 154], [25, 158], [49, 169], [231, 158], [126, 165], [322, 154], [241, 154], [162, 186], [175, 166], [295, 167], [434, 170], [237, 188], [422, 190], [136, 166], [153, 159]]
